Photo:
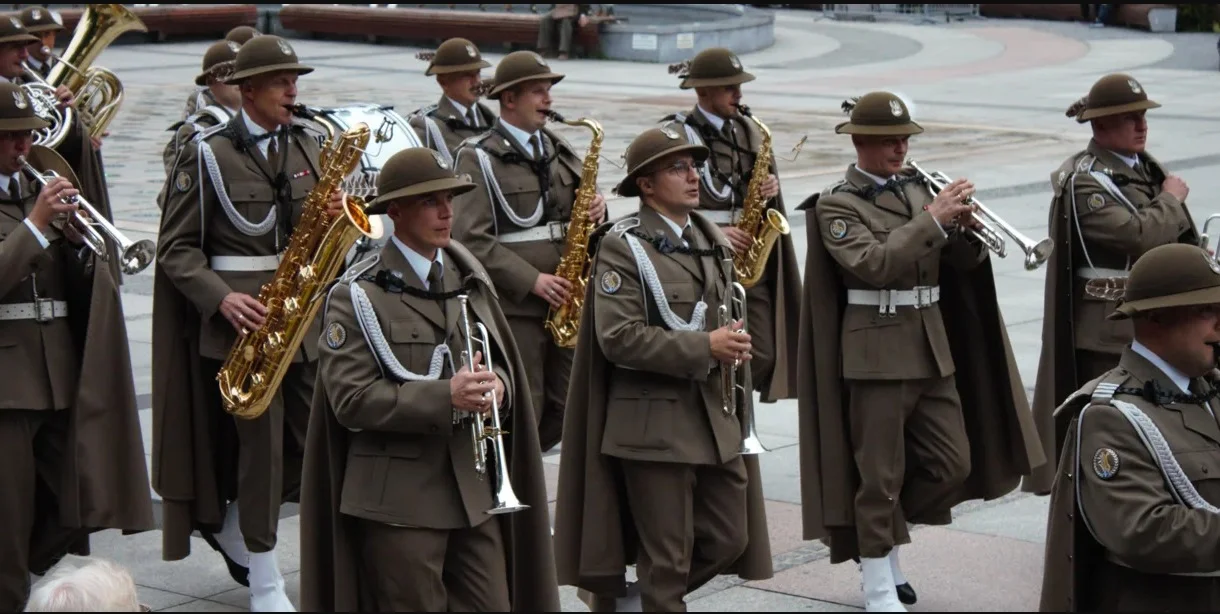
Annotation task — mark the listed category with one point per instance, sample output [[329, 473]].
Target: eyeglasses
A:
[[682, 167]]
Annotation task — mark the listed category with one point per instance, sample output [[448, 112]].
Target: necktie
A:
[[472, 118], [535, 147], [273, 157], [687, 237], [436, 282], [14, 188]]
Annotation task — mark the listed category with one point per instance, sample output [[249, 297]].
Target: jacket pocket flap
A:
[[1199, 466], [250, 191], [407, 331], [681, 291]]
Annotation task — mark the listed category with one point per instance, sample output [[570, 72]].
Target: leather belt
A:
[[1099, 273], [42, 310], [720, 216], [919, 297], [553, 231], [245, 263]]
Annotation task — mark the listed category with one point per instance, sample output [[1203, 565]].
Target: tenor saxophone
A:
[[761, 224], [574, 266], [256, 364]]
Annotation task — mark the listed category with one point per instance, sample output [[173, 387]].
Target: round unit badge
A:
[[611, 282], [838, 229], [335, 335], [1105, 463]]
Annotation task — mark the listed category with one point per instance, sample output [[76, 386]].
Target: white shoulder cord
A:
[[371, 327], [723, 192], [496, 196], [438, 140], [648, 275], [243, 225]]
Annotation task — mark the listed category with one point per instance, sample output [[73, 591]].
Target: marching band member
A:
[[458, 115], [223, 102], [914, 386], [394, 514], [44, 24], [204, 94], [646, 417], [1133, 523], [1113, 201], [69, 426], [516, 220], [221, 233], [734, 140]]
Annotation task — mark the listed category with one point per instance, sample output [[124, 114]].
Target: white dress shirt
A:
[[257, 131], [523, 138], [421, 265], [676, 228]]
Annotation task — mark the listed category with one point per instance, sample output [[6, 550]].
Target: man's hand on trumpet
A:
[[50, 203], [950, 204], [72, 229]]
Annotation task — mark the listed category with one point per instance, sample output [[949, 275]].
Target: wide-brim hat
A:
[[13, 31], [265, 54], [218, 61], [712, 68], [1114, 95], [17, 110], [454, 55], [242, 34], [1173, 275], [415, 171], [519, 67], [40, 19], [650, 146], [878, 114]]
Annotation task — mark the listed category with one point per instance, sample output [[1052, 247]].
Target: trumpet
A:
[[1203, 237], [733, 391], [505, 500], [136, 256], [1036, 254]]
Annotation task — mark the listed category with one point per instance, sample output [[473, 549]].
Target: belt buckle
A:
[[44, 310], [923, 297], [551, 229]]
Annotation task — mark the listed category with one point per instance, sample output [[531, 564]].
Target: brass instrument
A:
[[1204, 237], [505, 500], [576, 264], [256, 364], [136, 256], [98, 91], [733, 391], [762, 224], [1036, 254], [46, 107]]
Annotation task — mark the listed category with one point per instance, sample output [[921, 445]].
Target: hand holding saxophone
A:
[[471, 390], [335, 206], [597, 209], [57, 198], [951, 203], [553, 289], [730, 344], [243, 311], [770, 187]]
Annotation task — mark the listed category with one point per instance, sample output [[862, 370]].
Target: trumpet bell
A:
[[1037, 255], [751, 444], [138, 256]]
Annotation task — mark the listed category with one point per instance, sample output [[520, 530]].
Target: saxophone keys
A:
[[292, 305]]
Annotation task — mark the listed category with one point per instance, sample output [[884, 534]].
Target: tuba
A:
[[98, 91], [762, 224], [257, 362], [733, 390], [504, 500], [575, 265], [1035, 253]]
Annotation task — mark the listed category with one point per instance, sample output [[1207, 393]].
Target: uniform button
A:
[[415, 333], [923, 276], [644, 392], [928, 243], [1204, 469]]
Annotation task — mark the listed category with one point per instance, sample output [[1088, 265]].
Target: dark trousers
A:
[[271, 451], [760, 316], [546, 33], [431, 570], [33, 447], [911, 451], [547, 369]]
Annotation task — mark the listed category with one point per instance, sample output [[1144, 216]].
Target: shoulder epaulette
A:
[[207, 133], [625, 224], [425, 110]]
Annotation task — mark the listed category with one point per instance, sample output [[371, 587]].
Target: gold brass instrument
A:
[[256, 364], [575, 265], [98, 91], [136, 256], [762, 224], [505, 500], [46, 107], [992, 225], [733, 391]]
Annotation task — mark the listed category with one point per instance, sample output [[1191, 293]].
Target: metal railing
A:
[[919, 13]]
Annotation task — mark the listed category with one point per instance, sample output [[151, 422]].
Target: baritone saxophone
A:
[[762, 224], [256, 364], [575, 265]]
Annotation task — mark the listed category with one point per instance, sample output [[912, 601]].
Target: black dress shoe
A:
[[240, 573], [906, 594]]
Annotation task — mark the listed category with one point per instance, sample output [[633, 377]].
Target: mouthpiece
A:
[[45, 49], [484, 87], [744, 109], [554, 115]]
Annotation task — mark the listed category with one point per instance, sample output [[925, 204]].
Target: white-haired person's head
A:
[[85, 584]]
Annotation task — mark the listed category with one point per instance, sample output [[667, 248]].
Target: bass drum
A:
[[390, 135]]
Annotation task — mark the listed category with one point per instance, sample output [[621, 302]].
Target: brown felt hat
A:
[[714, 67], [17, 110], [650, 146], [879, 114], [264, 54], [1173, 275], [414, 171], [242, 34], [218, 61], [519, 67], [13, 31], [40, 19], [1114, 95], [454, 55]]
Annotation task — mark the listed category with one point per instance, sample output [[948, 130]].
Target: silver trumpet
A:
[[504, 500], [733, 391], [992, 225], [1204, 237], [136, 255]]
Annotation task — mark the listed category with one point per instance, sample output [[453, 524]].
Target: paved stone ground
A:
[[991, 95]]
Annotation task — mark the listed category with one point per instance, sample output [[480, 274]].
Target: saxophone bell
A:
[[504, 500]]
